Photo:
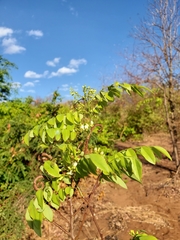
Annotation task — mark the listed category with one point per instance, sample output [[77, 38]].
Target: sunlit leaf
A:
[[26, 138], [55, 185], [62, 147], [65, 134], [36, 130], [31, 134], [148, 154], [48, 213], [51, 132], [62, 195], [55, 199], [52, 169], [60, 117], [100, 162], [52, 121], [119, 181], [47, 193], [69, 118], [29, 219], [162, 150], [73, 136], [39, 195]]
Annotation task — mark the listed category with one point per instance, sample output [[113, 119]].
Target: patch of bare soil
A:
[[153, 206]]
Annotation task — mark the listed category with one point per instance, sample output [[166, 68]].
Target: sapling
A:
[[67, 139]]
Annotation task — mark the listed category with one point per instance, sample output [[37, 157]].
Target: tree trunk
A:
[[170, 118]]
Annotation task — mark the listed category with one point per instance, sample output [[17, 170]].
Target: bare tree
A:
[[158, 57]]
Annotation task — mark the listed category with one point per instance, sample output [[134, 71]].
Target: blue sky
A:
[[58, 44]]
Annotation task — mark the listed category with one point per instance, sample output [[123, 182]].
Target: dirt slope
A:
[[153, 206]]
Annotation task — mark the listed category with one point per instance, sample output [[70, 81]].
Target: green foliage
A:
[[19, 163], [141, 235], [67, 137], [5, 85]]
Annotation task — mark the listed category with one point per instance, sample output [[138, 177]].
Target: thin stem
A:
[[87, 200], [71, 219], [62, 229], [63, 217], [96, 223]]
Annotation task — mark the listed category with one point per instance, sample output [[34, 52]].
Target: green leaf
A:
[[109, 96], [65, 134], [39, 195], [119, 181], [26, 138], [31, 134], [52, 121], [73, 136], [162, 150], [76, 117], [54, 205], [51, 132], [69, 118], [82, 169], [62, 147], [36, 204], [34, 224], [48, 213], [58, 134], [148, 237], [55, 185], [44, 146], [100, 162], [126, 86], [32, 210], [29, 219], [91, 166], [37, 226], [69, 191], [60, 117], [135, 164], [43, 136], [56, 199], [47, 193], [66, 180], [148, 154], [52, 169], [36, 130], [62, 195]]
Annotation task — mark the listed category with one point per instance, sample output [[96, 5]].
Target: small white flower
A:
[[95, 149], [86, 126], [74, 164], [82, 127], [91, 123]]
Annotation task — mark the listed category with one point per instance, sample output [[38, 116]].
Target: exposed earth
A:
[[153, 206]]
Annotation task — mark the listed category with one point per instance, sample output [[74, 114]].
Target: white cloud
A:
[[53, 63], [74, 63], [28, 84], [16, 85], [63, 71], [31, 91], [10, 46], [36, 81], [31, 74], [35, 33], [5, 32], [65, 85]]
